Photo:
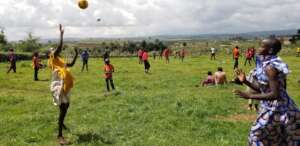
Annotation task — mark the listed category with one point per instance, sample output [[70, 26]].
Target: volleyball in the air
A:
[[83, 4]]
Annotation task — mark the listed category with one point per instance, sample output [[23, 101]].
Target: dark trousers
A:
[[36, 71], [111, 82], [146, 65], [182, 58], [12, 67], [236, 63], [213, 56], [248, 60], [85, 65], [63, 109]]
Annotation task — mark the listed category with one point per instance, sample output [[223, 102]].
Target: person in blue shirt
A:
[[85, 58]]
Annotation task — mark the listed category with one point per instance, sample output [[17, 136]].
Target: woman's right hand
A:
[[241, 75]]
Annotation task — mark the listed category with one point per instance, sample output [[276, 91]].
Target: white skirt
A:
[[56, 89]]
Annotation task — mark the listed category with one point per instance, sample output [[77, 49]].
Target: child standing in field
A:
[[213, 53], [85, 60], [166, 54], [248, 55], [146, 62], [253, 51], [108, 71], [12, 58], [182, 53], [154, 54], [236, 55], [140, 56], [279, 117], [36, 63], [62, 83]]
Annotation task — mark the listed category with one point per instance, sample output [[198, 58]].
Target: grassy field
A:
[[161, 109]]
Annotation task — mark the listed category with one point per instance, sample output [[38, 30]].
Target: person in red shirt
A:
[[253, 53], [146, 62], [108, 71], [236, 55], [167, 54], [36, 65], [248, 55], [182, 53], [140, 55]]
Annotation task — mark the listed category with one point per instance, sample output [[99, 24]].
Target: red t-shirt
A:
[[108, 70], [166, 52], [140, 53], [145, 56], [236, 53]]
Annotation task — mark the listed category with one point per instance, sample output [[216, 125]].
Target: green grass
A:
[[161, 109]]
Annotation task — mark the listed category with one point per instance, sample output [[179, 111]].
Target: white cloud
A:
[[145, 17]]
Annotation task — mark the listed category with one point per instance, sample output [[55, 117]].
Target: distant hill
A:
[[247, 35]]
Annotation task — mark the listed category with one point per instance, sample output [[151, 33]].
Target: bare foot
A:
[[62, 141]]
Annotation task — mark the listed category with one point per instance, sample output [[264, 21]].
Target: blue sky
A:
[[130, 18]]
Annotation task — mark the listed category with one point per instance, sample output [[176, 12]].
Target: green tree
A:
[[4, 45], [30, 44]]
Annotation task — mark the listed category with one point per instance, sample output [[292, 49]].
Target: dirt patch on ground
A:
[[237, 118]]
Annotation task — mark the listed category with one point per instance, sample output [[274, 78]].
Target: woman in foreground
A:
[[278, 121], [62, 83]]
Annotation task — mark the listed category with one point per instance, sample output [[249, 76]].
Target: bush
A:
[[20, 56]]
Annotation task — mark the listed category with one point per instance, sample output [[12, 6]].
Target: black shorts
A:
[[146, 64]]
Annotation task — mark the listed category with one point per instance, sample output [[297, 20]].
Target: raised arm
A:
[[74, 59], [60, 45]]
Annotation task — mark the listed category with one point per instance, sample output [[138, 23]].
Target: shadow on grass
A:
[[93, 138]]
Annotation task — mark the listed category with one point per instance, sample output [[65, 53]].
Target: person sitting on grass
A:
[[146, 62], [108, 71], [220, 77], [209, 80], [278, 119], [12, 58], [62, 83]]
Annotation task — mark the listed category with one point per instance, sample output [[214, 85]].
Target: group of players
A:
[[267, 81]]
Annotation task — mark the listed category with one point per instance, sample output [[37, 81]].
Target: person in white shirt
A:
[[213, 53]]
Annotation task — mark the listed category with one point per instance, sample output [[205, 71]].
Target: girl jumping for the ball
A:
[[62, 83]]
